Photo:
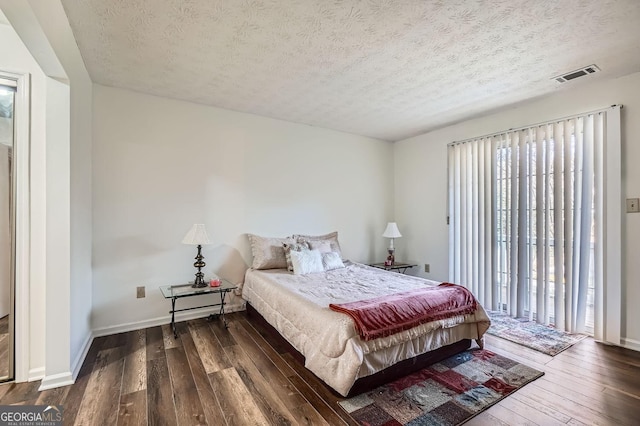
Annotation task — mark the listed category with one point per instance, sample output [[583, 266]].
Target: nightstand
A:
[[397, 266], [175, 292]]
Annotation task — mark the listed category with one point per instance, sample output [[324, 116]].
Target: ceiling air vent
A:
[[577, 73]]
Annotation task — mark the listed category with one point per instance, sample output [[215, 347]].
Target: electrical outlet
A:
[[427, 267], [140, 292], [632, 205]]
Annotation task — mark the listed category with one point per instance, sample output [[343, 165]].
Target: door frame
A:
[[20, 309]]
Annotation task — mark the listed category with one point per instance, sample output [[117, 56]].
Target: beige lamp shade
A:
[[197, 235], [392, 231]]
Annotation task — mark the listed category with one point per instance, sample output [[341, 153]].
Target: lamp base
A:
[[391, 258], [199, 282], [199, 264]]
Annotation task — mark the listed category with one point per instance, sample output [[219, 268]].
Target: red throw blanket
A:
[[386, 315]]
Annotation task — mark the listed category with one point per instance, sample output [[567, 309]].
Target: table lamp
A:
[[197, 236], [391, 232]]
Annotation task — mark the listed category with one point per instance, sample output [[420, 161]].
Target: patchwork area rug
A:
[[447, 393], [527, 333]]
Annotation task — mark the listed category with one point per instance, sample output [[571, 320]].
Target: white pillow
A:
[[306, 262], [289, 247], [331, 260]]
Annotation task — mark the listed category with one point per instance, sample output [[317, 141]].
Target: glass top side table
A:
[[175, 292], [397, 266]]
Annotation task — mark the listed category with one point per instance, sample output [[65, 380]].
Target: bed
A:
[[297, 306]]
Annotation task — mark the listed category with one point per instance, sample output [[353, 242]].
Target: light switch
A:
[[632, 205]]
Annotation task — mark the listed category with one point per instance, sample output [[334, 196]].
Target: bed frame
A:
[[367, 383]]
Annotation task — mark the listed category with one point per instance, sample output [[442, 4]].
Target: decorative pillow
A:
[[268, 252], [306, 262], [331, 238], [331, 260], [289, 247]]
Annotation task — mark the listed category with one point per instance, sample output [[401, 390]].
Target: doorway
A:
[[7, 228]]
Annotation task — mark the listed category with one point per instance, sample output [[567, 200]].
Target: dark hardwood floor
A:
[[211, 375]]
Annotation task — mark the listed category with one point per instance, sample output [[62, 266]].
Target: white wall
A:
[[76, 169], [421, 179], [161, 165], [57, 353]]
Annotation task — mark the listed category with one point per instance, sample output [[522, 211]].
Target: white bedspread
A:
[[298, 307]]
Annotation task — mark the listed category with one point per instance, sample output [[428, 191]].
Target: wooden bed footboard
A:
[[367, 383]]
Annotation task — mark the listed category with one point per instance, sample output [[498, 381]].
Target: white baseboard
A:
[[35, 374], [77, 363], [67, 378], [631, 344], [56, 380], [153, 322]]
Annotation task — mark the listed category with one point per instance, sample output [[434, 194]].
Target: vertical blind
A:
[[528, 219]]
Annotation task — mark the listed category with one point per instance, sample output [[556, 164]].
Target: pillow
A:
[[331, 238], [331, 260], [268, 252], [306, 262], [289, 247], [321, 246]]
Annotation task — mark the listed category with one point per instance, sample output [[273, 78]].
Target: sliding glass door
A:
[[7, 228], [529, 221]]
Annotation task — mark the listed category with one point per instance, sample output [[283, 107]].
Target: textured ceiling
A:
[[382, 68]]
